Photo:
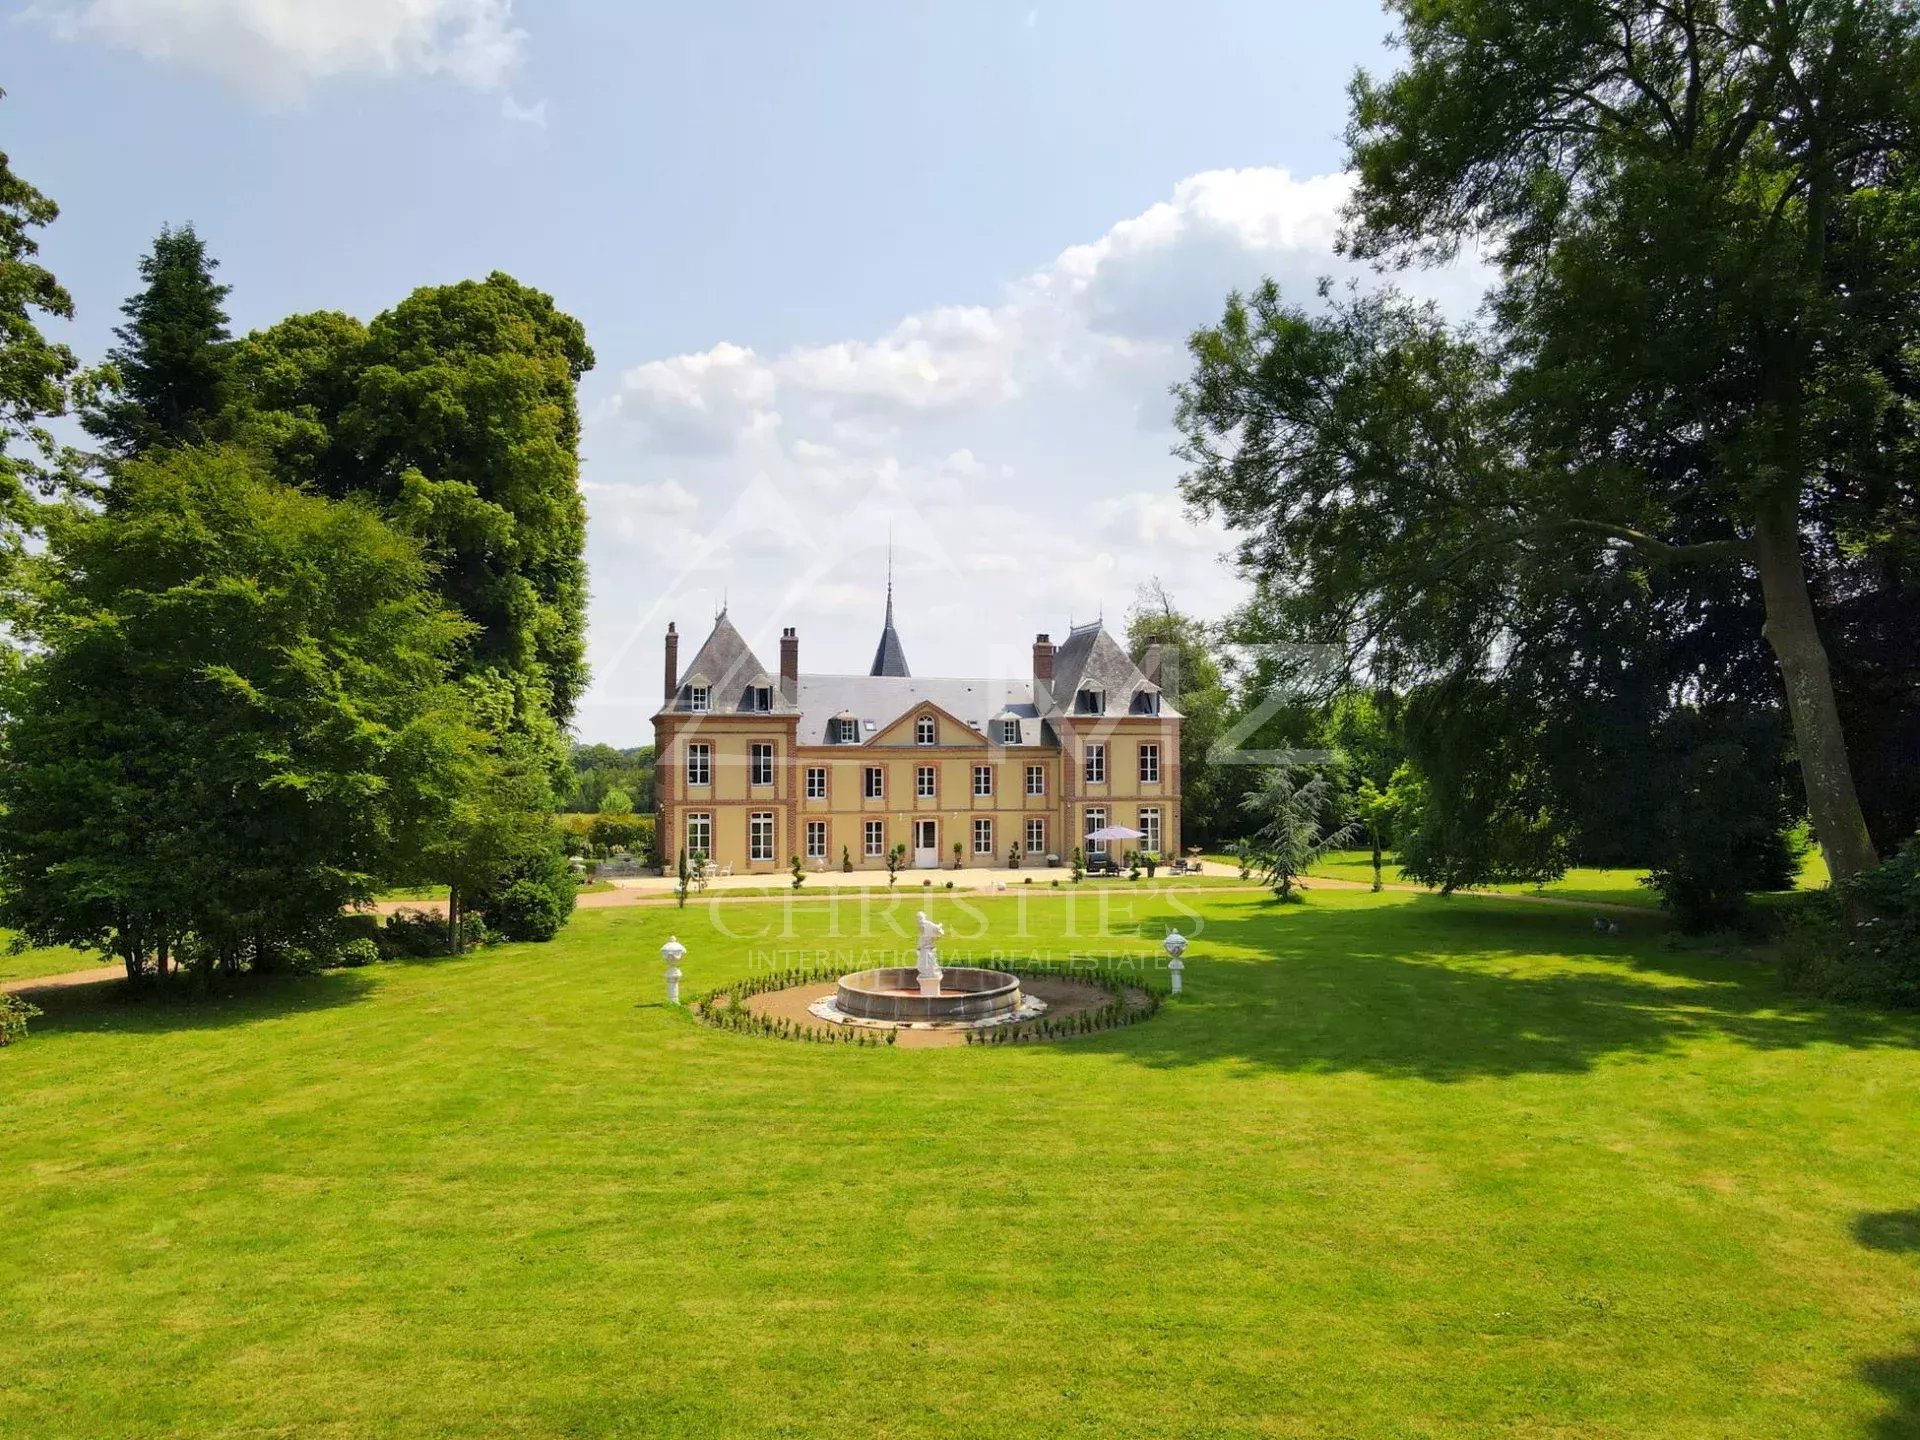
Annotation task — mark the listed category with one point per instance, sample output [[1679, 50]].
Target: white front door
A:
[[926, 844]]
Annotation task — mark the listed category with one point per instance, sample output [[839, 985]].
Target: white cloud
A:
[[275, 49], [1016, 448]]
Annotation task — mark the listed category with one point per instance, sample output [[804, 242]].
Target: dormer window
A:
[[1091, 701], [699, 698], [846, 730], [763, 698], [1009, 732], [924, 731], [1147, 702]]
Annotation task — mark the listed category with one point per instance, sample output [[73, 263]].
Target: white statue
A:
[[929, 963]]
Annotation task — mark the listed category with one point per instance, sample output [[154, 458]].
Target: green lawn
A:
[[29, 964], [1584, 883], [1393, 1166]]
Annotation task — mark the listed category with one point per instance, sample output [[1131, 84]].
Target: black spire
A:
[[890, 658]]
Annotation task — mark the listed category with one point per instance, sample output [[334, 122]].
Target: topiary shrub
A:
[[532, 902]]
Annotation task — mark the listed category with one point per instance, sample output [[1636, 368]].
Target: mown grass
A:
[[1393, 1166], [52, 960], [1590, 884]]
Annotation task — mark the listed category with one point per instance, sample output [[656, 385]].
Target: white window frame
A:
[[1036, 780], [846, 732], [873, 782], [700, 699], [699, 764], [1150, 764], [1036, 826], [760, 835], [925, 732], [1150, 829], [1096, 819], [759, 754], [702, 822], [1094, 764], [816, 839], [874, 839], [763, 698], [982, 835], [926, 781], [983, 781], [816, 782], [1009, 732]]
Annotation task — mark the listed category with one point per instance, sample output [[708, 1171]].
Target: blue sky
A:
[[845, 267]]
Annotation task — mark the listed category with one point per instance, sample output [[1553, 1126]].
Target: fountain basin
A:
[[967, 996]]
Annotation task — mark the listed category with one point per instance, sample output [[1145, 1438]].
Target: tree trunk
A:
[[453, 919], [1377, 887], [1825, 770]]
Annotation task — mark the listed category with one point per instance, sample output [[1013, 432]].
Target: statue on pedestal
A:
[[929, 963]]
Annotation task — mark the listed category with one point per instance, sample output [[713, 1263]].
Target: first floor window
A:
[[760, 835], [1036, 837], [983, 837], [983, 780], [1149, 764], [1096, 765], [1036, 779], [876, 839], [1096, 820], [760, 764], [699, 835], [699, 764], [876, 783], [816, 782], [923, 782], [816, 839], [1150, 829]]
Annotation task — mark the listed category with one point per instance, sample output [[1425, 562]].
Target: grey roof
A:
[[890, 658], [727, 664], [881, 700], [1090, 658]]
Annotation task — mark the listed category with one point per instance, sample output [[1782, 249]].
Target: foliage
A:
[[846, 860], [14, 1015], [1077, 865], [1013, 856], [895, 858], [601, 771], [532, 898], [683, 880], [232, 721], [1191, 679], [357, 952], [1376, 809], [1290, 809], [414, 934], [167, 378], [1861, 942], [616, 802], [799, 875], [34, 373]]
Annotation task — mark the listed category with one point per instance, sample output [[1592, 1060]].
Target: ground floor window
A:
[[816, 839], [983, 837], [699, 835], [1150, 829], [760, 835], [1096, 820], [876, 839], [1036, 837]]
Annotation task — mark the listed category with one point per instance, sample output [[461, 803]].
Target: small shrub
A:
[[414, 934], [1861, 942], [354, 953], [534, 902], [14, 1014], [949, 884]]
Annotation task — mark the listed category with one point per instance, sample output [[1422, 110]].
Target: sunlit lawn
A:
[[1394, 1166], [53, 961], [1584, 883]]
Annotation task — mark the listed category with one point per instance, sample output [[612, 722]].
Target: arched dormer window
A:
[[1090, 700], [925, 732], [1146, 701], [699, 694]]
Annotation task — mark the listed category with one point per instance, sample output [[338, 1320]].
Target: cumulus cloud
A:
[[276, 49], [1013, 449]]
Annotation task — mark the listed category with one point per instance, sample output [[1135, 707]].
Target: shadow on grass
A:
[[1897, 1231], [185, 1004], [1898, 1377], [1446, 990]]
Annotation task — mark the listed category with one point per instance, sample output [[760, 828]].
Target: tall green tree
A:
[[167, 380], [34, 372], [233, 717], [1292, 812], [1705, 214]]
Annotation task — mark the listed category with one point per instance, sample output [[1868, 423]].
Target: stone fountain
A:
[[928, 994]]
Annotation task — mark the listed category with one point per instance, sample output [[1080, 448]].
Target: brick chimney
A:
[[790, 663], [673, 662], [1043, 659]]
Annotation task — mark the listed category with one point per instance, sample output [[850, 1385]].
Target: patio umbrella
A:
[[1114, 832]]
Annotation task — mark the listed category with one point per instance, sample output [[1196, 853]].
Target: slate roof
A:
[[727, 664], [880, 700], [1090, 658], [890, 658]]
